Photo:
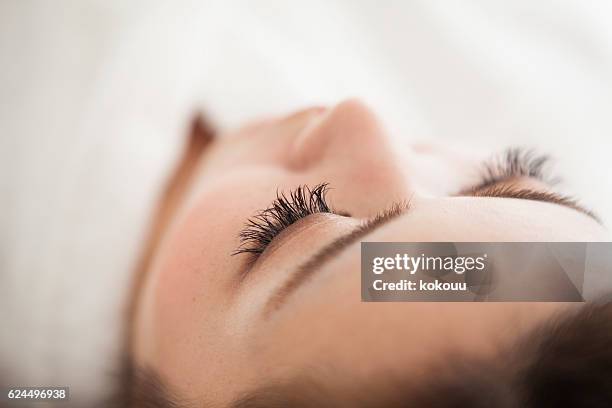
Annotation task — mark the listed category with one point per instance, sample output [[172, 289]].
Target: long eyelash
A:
[[286, 209], [513, 163]]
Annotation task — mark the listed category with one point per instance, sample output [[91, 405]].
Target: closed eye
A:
[[499, 173], [285, 210]]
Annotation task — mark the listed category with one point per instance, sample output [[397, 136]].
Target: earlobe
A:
[[201, 134]]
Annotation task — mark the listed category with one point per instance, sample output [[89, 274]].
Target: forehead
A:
[[196, 334], [490, 219], [305, 332]]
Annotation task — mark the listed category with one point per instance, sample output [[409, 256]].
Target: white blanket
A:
[[95, 98]]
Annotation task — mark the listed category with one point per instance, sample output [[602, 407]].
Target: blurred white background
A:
[[95, 96]]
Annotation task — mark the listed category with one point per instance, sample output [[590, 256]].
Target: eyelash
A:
[[519, 162], [514, 163], [285, 210], [303, 201]]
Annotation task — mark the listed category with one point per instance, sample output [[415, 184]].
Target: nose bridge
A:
[[446, 169], [349, 129], [349, 148]]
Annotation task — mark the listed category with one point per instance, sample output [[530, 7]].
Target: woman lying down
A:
[[249, 290]]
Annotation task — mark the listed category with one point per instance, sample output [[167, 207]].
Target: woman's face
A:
[[213, 325]]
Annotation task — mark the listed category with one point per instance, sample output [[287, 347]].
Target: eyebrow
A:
[[308, 268], [511, 191]]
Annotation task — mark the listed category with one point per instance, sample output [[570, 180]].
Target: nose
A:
[[349, 148]]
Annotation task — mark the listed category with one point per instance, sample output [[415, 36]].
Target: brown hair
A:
[[566, 361]]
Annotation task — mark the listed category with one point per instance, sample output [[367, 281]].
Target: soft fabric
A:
[[96, 97]]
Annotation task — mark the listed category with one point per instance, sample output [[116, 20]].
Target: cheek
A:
[[180, 292], [195, 261], [186, 299]]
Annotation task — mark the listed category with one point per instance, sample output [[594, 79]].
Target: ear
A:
[[201, 133], [200, 136]]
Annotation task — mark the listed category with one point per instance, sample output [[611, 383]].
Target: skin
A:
[[204, 329]]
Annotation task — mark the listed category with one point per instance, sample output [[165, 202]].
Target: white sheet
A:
[[95, 97]]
